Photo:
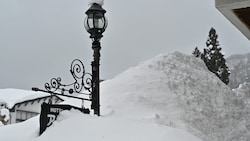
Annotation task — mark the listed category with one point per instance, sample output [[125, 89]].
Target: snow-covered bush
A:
[[4, 116]]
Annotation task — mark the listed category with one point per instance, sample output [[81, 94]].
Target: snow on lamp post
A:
[[95, 23]]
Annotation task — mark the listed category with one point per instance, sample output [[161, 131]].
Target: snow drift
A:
[[178, 90], [166, 92]]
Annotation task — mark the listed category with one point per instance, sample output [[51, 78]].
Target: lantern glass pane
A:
[[105, 22], [91, 23], [99, 22], [86, 24]]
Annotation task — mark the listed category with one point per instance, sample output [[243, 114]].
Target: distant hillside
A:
[[240, 69]]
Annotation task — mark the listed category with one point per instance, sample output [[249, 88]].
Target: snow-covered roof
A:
[[2, 101], [13, 96]]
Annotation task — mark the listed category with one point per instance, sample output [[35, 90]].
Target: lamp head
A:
[[95, 23]]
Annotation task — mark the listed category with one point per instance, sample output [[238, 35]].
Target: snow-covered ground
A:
[[73, 125], [170, 97]]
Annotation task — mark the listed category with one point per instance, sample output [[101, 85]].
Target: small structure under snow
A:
[[23, 104]]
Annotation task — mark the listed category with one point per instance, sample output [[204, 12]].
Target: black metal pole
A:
[[95, 78]]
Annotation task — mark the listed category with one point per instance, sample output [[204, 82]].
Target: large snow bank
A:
[[177, 90], [149, 100]]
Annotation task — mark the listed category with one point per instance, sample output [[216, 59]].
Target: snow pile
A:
[[178, 91], [156, 100]]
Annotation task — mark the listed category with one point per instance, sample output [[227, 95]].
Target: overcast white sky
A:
[[40, 38]]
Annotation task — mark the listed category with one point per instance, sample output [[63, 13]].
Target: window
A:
[[24, 115]]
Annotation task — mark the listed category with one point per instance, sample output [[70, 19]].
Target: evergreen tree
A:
[[196, 52], [213, 57]]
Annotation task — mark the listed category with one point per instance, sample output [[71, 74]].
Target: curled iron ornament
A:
[[82, 81]]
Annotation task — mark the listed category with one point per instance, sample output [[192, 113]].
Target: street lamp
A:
[[95, 23]]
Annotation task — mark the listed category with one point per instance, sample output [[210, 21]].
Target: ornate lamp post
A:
[[95, 23], [84, 83]]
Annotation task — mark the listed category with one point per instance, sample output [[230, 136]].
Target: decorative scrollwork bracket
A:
[[82, 84]]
